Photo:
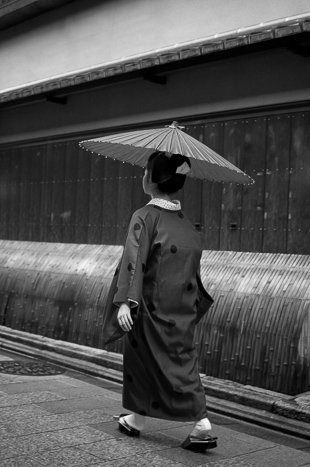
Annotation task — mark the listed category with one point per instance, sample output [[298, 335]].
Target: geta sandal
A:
[[192, 443]]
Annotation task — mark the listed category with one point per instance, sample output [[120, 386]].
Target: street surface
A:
[[50, 416]]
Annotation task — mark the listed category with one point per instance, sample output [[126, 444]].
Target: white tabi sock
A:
[[135, 421], [202, 429]]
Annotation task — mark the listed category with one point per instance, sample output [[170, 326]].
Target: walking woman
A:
[[157, 290]]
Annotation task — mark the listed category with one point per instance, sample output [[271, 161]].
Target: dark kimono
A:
[[158, 271]]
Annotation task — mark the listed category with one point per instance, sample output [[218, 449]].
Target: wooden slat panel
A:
[[231, 224], [212, 192], [13, 195], [97, 183], [58, 185], [82, 196], [35, 190], [138, 197], [277, 183], [125, 202], [24, 194], [130, 197], [109, 201], [46, 195], [193, 188], [41, 161], [7, 172], [3, 223], [254, 195], [28, 219], [70, 191], [9, 200], [299, 196], [30, 161]]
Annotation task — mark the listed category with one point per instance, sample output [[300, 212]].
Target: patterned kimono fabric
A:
[[158, 275]]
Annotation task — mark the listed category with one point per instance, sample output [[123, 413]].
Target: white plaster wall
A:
[[84, 34]]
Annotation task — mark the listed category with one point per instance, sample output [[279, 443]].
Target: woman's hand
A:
[[124, 317]]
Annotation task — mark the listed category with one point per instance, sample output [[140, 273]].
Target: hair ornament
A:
[[183, 169]]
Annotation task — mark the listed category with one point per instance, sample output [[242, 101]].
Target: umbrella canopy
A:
[[135, 147]]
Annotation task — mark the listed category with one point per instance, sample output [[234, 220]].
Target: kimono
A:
[[158, 275]]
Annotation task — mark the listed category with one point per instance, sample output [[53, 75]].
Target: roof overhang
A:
[[16, 11], [293, 32]]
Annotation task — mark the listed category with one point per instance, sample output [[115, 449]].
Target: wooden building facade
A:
[[57, 192], [244, 92]]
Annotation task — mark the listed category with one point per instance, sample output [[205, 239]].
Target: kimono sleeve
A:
[[132, 266], [204, 300]]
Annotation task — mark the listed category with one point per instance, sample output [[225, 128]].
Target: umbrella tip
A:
[[175, 124]]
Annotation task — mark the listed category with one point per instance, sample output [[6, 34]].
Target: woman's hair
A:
[[163, 170]]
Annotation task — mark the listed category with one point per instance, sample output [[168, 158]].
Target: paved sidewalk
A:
[[226, 397], [66, 419]]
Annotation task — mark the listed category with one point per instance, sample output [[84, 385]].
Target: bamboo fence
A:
[[257, 332]]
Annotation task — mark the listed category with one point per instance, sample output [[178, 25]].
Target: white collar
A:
[[174, 205]]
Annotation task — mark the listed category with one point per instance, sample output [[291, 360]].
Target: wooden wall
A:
[[57, 192]]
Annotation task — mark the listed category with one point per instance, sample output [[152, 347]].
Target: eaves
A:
[[153, 65]]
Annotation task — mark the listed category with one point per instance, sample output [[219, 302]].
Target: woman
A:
[[157, 284]]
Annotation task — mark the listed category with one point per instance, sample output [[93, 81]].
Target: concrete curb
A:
[[268, 408]]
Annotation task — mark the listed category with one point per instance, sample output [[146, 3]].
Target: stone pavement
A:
[[53, 417], [226, 397]]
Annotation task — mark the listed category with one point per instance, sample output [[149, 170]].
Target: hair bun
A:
[[164, 166], [168, 171]]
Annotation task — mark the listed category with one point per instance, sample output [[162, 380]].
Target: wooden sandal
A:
[[192, 443]]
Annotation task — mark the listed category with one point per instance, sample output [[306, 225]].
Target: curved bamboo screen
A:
[[257, 332], [57, 290]]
